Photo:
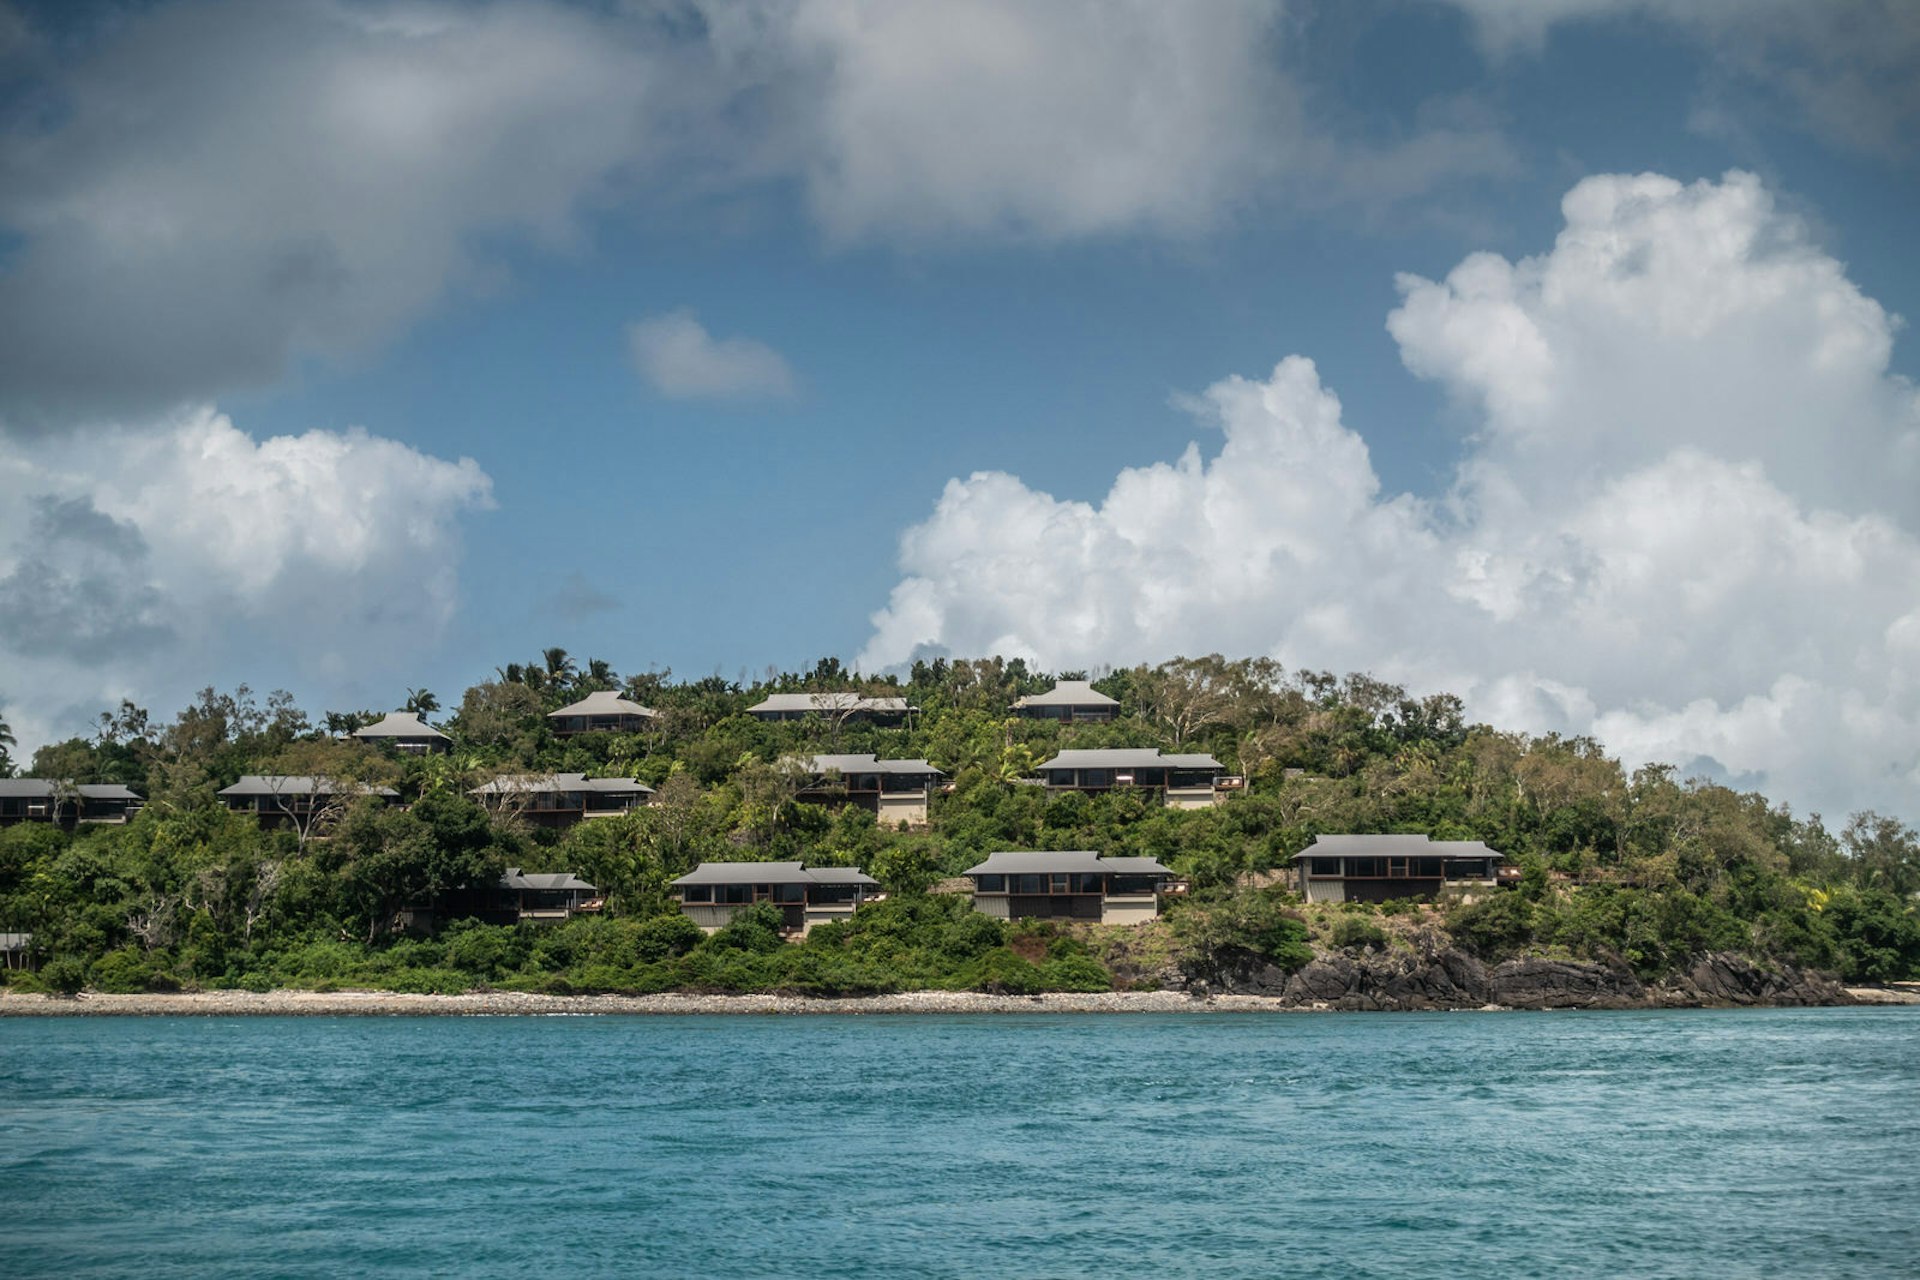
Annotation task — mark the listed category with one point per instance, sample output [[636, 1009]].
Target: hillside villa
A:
[[1068, 700], [406, 732], [64, 803], [1190, 781], [713, 892], [1380, 868], [292, 798], [1071, 885], [561, 799], [846, 706], [604, 712], [894, 791]]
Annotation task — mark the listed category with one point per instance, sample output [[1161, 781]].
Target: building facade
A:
[[1069, 701], [562, 799], [894, 791], [1071, 885], [838, 706], [1346, 868], [65, 804], [295, 800], [406, 733], [714, 892], [1188, 781], [601, 713]]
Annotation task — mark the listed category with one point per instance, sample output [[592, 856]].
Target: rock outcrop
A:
[[1435, 975]]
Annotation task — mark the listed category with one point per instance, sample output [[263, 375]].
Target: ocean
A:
[[1642, 1144]]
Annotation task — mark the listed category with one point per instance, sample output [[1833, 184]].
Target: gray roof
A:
[[519, 784], [1068, 693], [828, 702], [1061, 862], [516, 879], [295, 784], [868, 764], [604, 703], [1130, 758], [15, 941], [772, 873], [400, 724], [43, 789], [1393, 846]]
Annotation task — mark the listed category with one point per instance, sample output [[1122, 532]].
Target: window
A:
[[990, 884], [1096, 777], [789, 893], [697, 893], [1323, 866], [1029, 884], [733, 893], [1059, 882]]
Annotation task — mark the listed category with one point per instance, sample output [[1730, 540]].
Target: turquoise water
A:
[[1732, 1143]]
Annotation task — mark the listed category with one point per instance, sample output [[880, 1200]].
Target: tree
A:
[[341, 774], [421, 702], [1885, 853], [7, 743], [559, 668]]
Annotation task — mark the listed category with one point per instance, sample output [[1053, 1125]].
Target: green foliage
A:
[[64, 974], [1353, 933], [1495, 927]]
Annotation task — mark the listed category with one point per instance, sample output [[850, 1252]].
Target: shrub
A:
[[1495, 927], [64, 975], [665, 937], [1001, 972], [1076, 973], [1355, 932], [123, 972]]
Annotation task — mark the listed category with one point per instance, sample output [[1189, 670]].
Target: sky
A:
[[1547, 352]]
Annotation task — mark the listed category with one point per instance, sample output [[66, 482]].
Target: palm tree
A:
[[600, 673], [422, 702], [560, 668], [7, 743]]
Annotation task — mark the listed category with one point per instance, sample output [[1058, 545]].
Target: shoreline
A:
[[391, 1004]]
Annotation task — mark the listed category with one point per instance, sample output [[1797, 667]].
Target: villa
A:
[[293, 799], [518, 897], [604, 712], [894, 791], [1068, 700], [845, 706], [63, 803], [562, 799], [1071, 885], [713, 892], [406, 732], [1379, 868], [1191, 781]]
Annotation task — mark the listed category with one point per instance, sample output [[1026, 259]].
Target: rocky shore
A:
[[1448, 978]]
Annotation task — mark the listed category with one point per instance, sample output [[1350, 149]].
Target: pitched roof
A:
[[1062, 862], [1393, 846], [520, 783], [868, 764], [828, 702], [294, 784], [1068, 693], [772, 873], [516, 879], [400, 724], [1130, 758], [43, 788], [604, 703]]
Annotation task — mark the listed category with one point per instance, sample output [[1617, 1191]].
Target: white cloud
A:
[[1683, 523], [149, 560], [679, 358]]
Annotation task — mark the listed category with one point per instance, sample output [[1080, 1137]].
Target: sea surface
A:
[[1675, 1143]]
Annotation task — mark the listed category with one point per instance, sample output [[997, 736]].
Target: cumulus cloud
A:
[[679, 358], [1849, 70], [1683, 520], [152, 559]]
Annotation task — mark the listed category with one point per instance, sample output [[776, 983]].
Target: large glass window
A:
[[1323, 866], [990, 884], [1029, 884], [789, 893], [733, 893], [698, 893]]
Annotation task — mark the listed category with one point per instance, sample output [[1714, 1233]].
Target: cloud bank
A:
[[199, 196], [1682, 521], [680, 359], [156, 559]]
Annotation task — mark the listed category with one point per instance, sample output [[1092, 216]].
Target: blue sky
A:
[[274, 271]]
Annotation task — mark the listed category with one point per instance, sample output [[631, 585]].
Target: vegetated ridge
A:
[[1637, 888]]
